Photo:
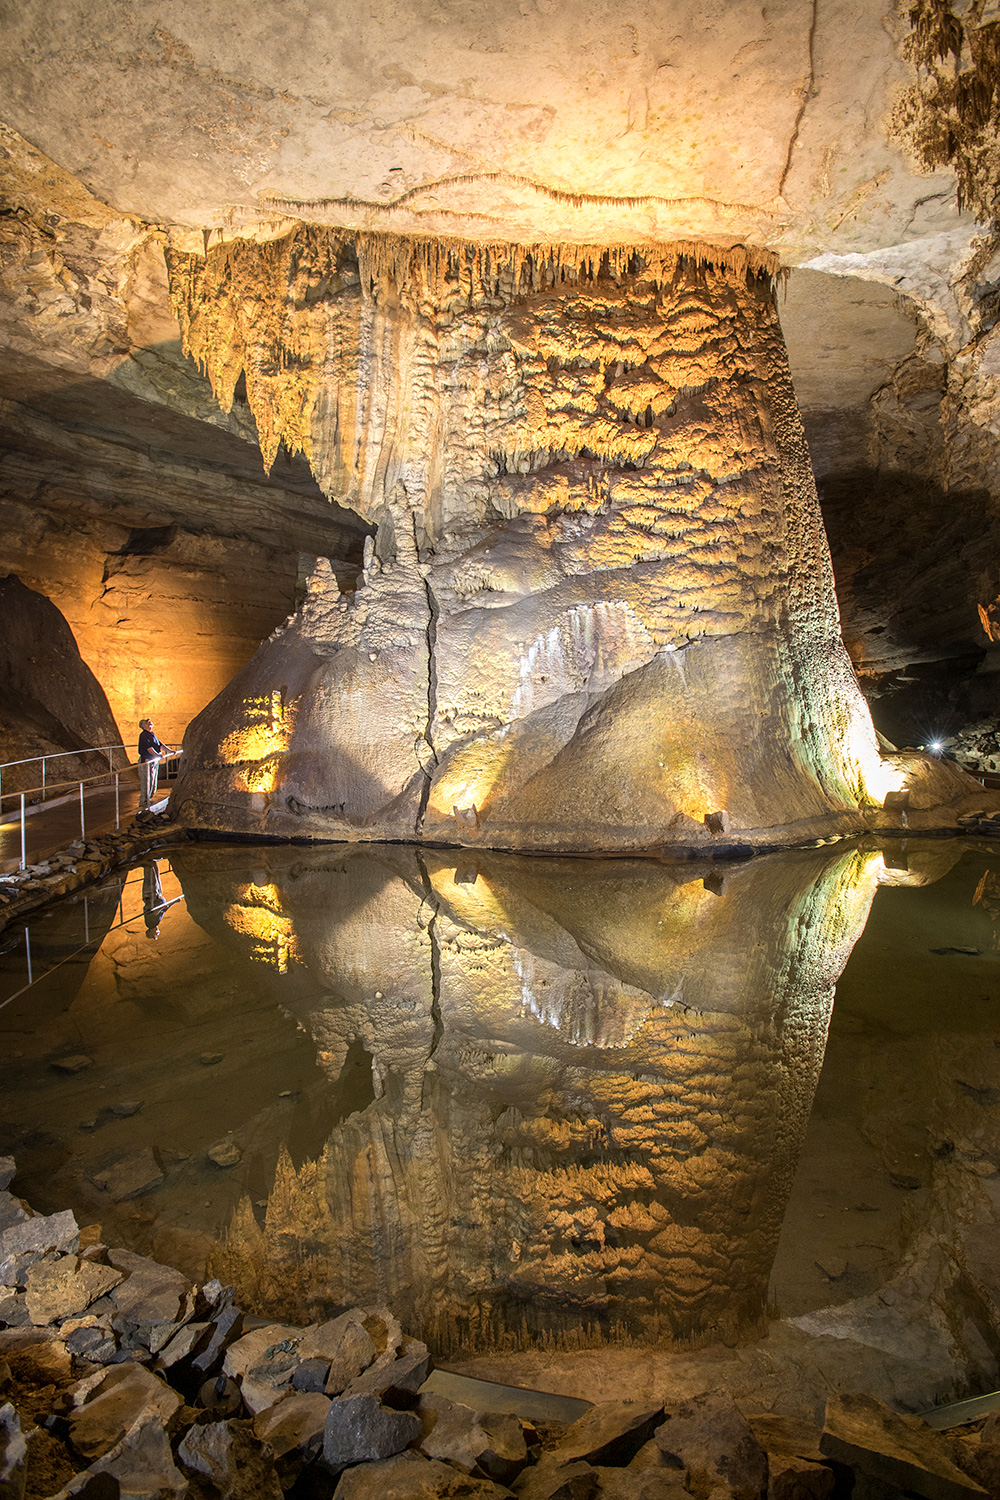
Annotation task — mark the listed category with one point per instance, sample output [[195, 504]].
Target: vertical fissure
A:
[[433, 611]]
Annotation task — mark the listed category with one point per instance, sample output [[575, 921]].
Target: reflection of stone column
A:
[[599, 605], [591, 1081]]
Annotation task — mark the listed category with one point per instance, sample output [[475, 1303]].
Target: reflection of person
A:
[[151, 752], [152, 899]]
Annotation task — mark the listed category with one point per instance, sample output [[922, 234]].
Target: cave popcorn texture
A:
[[598, 610]]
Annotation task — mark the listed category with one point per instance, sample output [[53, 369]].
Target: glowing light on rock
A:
[[599, 608]]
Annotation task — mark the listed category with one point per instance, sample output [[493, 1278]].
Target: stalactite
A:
[[269, 310]]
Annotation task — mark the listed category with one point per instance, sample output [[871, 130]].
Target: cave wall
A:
[[907, 464], [50, 700], [127, 496]]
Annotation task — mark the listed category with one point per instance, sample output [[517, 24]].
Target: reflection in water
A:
[[587, 1082], [522, 1100]]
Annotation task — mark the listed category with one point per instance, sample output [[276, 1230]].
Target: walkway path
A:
[[53, 827]]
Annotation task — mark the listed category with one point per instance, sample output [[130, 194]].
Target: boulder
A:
[[264, 1361], [293, 1430], [93, 1339], [892, 1450], [130, 1176], [232, 1459], [14, 1309], [226, 1329], [413, 1477], [152, 1293], [186, 1343], [551, 1480], [39, 1233], [710, 1437], [63, 1287], [139, 1467], [794, 1459], [126, 1396], [13, 1454], [395, 1377], [492, 1445], [8, 1171], [359, 1429], [12, 1210], [980, 1456], [345, 1345], [641, 1484], [310, 1376], [611, 1433]]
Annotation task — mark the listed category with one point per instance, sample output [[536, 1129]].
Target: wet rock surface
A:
[[219, 1414]]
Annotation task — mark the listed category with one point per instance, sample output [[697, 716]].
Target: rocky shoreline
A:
[[82, 863], [121, 1380]]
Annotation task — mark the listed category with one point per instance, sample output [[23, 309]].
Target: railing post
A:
[[83, 826], [23, 860], [27, 953], [117, 816], [86, 921], [43, 778]]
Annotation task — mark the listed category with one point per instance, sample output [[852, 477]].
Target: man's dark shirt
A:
[[149, 745]]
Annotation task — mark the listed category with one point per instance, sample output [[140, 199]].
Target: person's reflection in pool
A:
[[153, 903]]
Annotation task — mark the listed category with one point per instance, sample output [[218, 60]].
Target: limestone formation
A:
[[598, 613]]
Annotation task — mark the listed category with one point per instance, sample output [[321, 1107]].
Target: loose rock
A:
[[230, 1456], [411, 1477], [66, 1286], [130, 1176], [710, 1437], [892, 1449], [359, 1428], [610, 1433]]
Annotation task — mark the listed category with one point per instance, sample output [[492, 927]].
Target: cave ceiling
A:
[[511, 119]]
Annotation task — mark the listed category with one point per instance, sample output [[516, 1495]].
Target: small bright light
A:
[[936, 746]]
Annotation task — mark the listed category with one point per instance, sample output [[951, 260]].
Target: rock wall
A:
[[127, 497], [163, 616], [50, 701], [599, 607]]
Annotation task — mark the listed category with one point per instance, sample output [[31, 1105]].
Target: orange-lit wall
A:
[[164, 631]]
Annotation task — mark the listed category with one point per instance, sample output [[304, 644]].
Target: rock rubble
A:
[[119, 1380]]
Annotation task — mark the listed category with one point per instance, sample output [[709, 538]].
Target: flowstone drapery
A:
[[598, 611]]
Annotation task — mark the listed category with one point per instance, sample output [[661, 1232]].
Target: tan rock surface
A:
[[525, 121], [599, 569]]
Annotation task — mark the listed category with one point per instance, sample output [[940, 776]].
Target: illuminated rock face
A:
[[599, 607], [588, 1082]]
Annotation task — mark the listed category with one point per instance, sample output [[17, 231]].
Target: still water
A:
[[524, 1101]]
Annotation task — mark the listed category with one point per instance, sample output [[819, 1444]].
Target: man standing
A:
[[150, 754]]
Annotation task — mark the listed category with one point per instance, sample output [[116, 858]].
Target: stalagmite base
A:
[[598, 613]]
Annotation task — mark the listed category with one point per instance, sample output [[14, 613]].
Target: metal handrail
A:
[[81, 782], [47, 786], [59, 755]]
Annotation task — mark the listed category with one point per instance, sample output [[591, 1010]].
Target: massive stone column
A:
[[597, 612]]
